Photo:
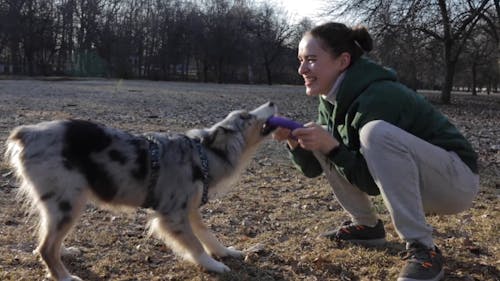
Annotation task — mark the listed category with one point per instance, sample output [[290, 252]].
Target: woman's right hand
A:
[[282, 134]]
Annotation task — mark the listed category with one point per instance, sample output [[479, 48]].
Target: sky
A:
[[299, 9]]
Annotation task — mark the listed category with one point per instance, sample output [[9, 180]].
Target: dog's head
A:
[[240, 130]]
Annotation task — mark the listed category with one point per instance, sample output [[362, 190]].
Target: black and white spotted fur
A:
[[62, 164]]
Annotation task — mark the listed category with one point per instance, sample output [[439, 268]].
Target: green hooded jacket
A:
[[371, 92]]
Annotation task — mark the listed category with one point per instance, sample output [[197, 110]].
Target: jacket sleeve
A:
[[306, 162]]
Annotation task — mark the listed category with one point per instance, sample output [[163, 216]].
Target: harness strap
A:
[[204, 170], [151, 200], [154, 153]]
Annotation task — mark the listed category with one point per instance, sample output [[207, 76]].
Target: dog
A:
[[62, 164]]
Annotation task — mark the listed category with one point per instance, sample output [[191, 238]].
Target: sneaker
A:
[[358, 234], [423, 264]]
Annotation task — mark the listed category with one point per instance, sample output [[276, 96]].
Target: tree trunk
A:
[[448, 46], [448, 77], [205, 70], [14, 58], [268, 73], [219, 71], [474, 77], [448, 85]]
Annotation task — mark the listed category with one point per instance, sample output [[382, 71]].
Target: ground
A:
[[273, 212]]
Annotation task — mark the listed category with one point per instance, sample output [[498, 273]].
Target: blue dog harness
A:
[[154, 153]]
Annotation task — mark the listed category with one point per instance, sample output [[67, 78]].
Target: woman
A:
[[376, 136]]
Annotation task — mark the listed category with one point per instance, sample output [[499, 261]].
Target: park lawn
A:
[[273, 212]]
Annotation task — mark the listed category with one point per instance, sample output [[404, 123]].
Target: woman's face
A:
[[319, 68]]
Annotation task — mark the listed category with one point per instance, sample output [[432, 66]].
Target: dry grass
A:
[[273, 209]]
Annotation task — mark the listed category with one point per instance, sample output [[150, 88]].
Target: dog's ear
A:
[[205, 136], [210, 136], [227, 128]]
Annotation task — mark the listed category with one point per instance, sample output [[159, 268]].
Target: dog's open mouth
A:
[[267, 129], [265, 112]]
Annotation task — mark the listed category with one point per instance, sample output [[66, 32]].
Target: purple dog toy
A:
[[277, 121]]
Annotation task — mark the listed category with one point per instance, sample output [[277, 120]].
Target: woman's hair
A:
[[338, 38]]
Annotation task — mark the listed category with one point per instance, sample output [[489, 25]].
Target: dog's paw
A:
[[219, 267], [49, 277], [211, 264], [72, 278], [232, 252]]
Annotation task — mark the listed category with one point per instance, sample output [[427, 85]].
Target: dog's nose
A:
[[270, 104]]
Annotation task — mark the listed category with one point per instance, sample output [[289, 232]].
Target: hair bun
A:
[[362, 38]]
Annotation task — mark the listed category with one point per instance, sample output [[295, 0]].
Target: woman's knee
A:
[[449, 206], [374, 132]]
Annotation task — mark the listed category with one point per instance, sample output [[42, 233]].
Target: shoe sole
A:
[[439, 277], [368, 243]]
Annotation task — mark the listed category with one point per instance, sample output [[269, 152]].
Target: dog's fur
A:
[[61, 164]]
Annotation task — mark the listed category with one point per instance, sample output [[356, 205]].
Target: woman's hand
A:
[[281, 134], [314, 137]]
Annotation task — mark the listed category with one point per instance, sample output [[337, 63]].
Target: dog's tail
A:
[[16, 145], [14, 150], [29, 144]]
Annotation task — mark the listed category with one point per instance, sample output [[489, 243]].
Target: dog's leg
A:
[[57, 218], [174, 229], [208, 239]]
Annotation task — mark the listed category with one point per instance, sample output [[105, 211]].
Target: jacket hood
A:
[[360, 76]]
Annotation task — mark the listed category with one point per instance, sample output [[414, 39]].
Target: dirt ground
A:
[[273, 212]]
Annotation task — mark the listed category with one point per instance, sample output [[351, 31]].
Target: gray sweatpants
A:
[[414, 177]]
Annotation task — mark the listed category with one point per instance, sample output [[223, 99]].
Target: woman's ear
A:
[[345, 60]]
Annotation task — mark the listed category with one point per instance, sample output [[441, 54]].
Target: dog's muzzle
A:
[[263, 113], [267, 129]]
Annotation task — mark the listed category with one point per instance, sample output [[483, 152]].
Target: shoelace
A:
[[419, 254], [347, 226]]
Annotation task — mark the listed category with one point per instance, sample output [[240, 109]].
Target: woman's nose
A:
[[302, 68]]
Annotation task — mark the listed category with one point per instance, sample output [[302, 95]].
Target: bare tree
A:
[[210, 40], [66, 26], [299, 30], [3, 29], [449, 22], [86, 59], [269, 30], [221, 45], [481, 55], [12, 28], [27, 30]]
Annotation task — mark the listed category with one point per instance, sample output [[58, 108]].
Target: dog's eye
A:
[[245, 115]]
